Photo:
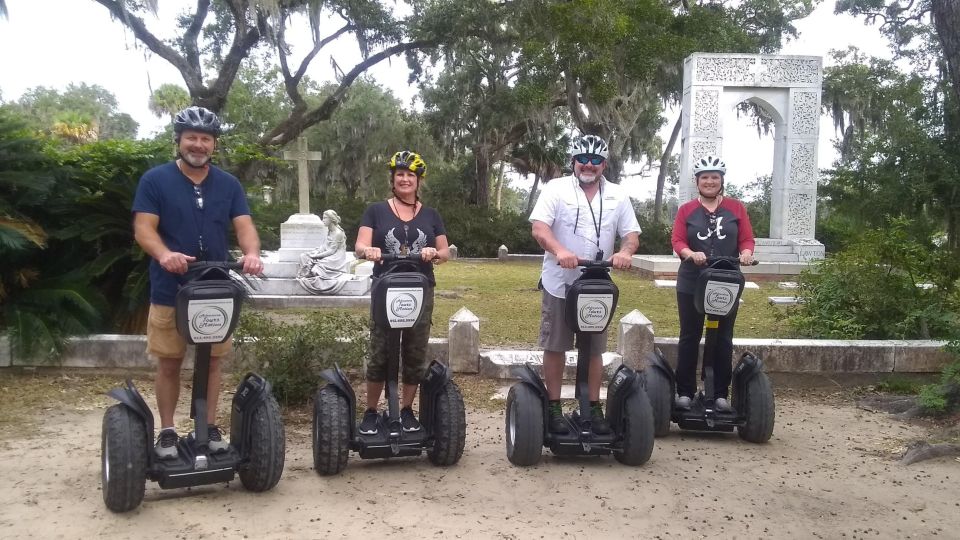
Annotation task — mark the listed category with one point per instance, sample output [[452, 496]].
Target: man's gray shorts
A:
[[554, 333]]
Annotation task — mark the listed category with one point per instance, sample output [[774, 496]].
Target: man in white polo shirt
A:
[[577, 217]]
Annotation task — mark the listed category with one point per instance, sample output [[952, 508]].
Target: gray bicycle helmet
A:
[[709, 164], [197, 119], [590, 144]]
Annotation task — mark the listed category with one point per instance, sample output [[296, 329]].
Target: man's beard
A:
[[587, 179], [193, 162]]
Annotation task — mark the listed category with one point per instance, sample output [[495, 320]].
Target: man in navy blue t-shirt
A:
[[182, 213]]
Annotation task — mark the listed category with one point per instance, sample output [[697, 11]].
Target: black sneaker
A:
[[598, 422], [166, 447], [557, 423], [409, 421], [215, 440], [371, 422]]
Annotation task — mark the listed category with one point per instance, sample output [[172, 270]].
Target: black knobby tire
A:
[[267, 447], [759, 410], [450, 426], [123, 449], [524, 426], [637, 426], [331, 431], [661, 400]]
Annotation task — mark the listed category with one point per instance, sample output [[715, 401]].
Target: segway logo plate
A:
[[210, 319], [404, 306], [593, 311], [719, 297]]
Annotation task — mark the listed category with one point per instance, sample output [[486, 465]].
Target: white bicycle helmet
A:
[[590, 144], [709, 164]]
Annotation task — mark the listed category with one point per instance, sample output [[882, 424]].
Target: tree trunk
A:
[[499, 186], [533, 192], [946, 19], [662, 175], [614, 169], [480, 194]]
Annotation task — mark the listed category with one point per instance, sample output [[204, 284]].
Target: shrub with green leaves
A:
[[291, 356], [888, 284], [944, 396]]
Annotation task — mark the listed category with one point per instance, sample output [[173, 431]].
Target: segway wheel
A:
[[524, 426], [637, 429], [331, 431], [267, 447], [759, 410], [450, 428], [124, 447], [661, 400]]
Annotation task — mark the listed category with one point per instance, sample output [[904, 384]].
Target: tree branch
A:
[[193, 31], [297, 122], [191, 76]]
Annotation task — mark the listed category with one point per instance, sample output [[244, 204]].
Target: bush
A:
[[291, 356], [944, 396], [872, 290]]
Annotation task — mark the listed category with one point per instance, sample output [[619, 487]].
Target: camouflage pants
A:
[[413, 347]]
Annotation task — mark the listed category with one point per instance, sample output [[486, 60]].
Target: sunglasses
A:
[[199, 194], [583, 159]]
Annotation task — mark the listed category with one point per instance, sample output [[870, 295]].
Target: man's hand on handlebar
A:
[[621, 261], [252, 264], [175, 262], [566, 259]]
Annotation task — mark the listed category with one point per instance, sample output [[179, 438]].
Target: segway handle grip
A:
[[390, 257], [736, 260], [226, 265], [589, 263]]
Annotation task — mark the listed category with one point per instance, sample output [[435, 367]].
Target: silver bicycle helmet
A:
[[197, 119]]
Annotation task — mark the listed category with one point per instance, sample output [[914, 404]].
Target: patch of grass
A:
[[899, 385], [504, 296]]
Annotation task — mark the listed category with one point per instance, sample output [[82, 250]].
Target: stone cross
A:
[[301, 155]]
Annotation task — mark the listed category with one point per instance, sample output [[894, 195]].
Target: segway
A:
[[590, 304], [396, 301], [717, 294], [207, 310]]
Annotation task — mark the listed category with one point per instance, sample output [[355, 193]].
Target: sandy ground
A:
[[828, 472]]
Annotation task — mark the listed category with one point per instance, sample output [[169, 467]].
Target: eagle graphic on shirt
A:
[[394, 246]]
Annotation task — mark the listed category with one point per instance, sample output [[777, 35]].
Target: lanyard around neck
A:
[[596, 223]]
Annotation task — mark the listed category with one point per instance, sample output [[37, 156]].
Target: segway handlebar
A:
[[226, 265], [589, 263], [390, 257], [735, 260]]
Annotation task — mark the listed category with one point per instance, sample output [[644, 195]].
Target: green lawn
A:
[[505, 297]]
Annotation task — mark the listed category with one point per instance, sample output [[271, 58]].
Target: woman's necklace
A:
[[715, 203], [396, 210]]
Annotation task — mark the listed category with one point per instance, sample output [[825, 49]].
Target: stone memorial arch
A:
[[788, 88]]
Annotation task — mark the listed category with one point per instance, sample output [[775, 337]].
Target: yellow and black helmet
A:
[[408, 160]]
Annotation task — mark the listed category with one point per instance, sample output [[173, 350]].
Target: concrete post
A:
[[6, 356], [464, 342], [635, 339], [453, 252], [502, 252]]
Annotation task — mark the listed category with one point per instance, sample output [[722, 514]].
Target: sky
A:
[[82, 44]]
